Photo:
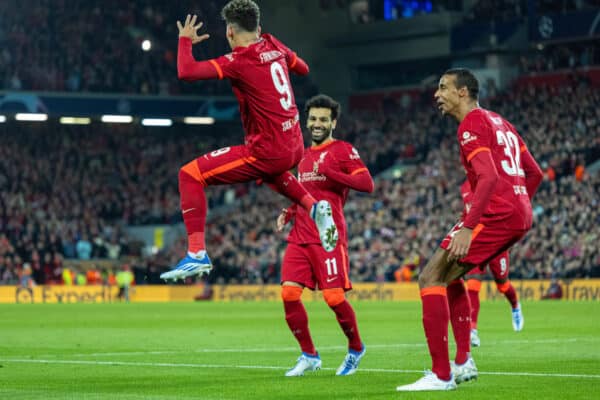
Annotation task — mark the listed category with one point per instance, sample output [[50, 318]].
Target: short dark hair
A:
[[465, 78], [324, 101], [243, 13]]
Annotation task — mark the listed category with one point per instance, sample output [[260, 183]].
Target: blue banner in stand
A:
[[78, 105]]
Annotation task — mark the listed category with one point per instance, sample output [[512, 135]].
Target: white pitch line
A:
[[237, 350], [295, 349], [185, 365]]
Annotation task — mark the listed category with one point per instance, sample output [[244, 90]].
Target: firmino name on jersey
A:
[[289, 124], [269, 55], [311, 177]]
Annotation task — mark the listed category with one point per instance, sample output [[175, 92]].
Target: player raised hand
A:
[[189, 29]]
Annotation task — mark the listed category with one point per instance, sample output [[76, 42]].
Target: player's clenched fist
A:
[[189, 29]]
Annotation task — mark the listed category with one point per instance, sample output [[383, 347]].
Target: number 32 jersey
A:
[[259, 76], [485, 131]]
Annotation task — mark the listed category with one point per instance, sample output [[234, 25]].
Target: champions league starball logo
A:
[[545, 27]]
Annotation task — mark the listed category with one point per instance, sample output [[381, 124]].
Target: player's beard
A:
[[326, 134]]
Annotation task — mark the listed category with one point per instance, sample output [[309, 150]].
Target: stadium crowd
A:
[[68, 52], [70, 195]]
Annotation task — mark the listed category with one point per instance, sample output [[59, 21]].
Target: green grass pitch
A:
[[241, 351]]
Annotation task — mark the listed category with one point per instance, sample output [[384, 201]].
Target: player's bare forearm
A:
[[188, 69], [487, 176], [361, 181]]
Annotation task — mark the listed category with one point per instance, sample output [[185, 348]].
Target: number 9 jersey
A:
[[485, 131], [259, 76]]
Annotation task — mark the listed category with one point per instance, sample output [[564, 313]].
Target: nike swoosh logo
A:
[[188, 210], [331, 279]]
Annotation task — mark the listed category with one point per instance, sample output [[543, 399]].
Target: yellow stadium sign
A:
[[579, 290]]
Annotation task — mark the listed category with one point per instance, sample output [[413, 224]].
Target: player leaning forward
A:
[[504, 176], [258, 69]]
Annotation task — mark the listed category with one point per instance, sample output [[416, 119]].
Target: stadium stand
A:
[[82, 185], [68, 193]]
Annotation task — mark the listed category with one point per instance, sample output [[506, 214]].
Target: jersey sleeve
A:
[[349, 159], [473, 138], [294, 63], [226, 66]]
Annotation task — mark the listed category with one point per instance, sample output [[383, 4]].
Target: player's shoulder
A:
[[343, 147], [479, 122], [269, 38]]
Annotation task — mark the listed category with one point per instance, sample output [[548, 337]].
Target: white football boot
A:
[[429, 382], [305, 363]]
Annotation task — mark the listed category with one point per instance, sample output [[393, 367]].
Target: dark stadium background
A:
[[79, 202]]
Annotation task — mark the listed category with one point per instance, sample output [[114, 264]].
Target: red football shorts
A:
[[498, 267], [489, 240], [235, 164], [311, 266]]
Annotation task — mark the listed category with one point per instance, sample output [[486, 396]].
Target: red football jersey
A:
[[259, 75], [337, 155], [483, 130]]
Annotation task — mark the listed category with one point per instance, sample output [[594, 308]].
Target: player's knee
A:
[[291, 293], [474, 285], [190, 173], [334, 297], [503, 286], [426, 280]]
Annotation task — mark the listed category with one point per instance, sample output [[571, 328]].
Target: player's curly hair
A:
[[324, 101], [243, 13], [465, 78]]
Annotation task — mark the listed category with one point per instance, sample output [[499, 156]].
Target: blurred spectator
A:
[[90, 182], [95, 46], [124, 280], [555, 291]]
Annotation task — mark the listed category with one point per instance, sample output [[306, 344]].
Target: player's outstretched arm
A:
[[187, 67]]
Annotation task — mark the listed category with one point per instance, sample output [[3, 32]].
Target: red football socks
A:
[[436, 316], [347, 320], [297, 320], [460, 317], [288, 185], [474, 286], [193, 209], [509, 292]]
